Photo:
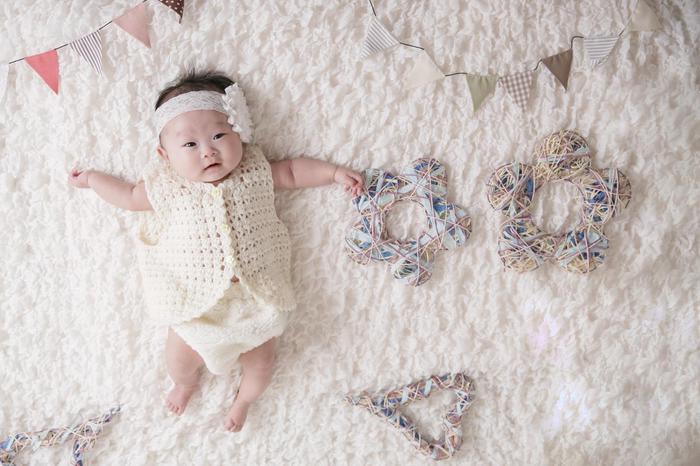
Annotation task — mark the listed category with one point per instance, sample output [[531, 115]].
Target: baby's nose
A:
[[207, 151]]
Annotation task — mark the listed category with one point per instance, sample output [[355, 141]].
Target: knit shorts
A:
[[235, 325]]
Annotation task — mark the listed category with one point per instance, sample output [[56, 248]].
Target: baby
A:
[[213, 255]]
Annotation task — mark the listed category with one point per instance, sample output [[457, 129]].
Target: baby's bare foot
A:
[[236, 415], [178, 398]]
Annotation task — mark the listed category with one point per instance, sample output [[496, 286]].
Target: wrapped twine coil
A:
[[562, 156], [386, 406], [424, 182]]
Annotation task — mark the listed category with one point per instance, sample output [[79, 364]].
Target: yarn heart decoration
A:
[[386, 406]]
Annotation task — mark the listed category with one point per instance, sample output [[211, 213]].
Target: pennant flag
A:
[[178, 6], [598, 48], [644, 18], [46, 66], [134, 22], [480, 86], [90, 48], [518, 86], [4, 71], [378, 38], [560, 65], [424, 71]]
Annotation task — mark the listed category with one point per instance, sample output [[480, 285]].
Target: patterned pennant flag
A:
[[424, 71], [90, 48], [480, 86], [644, 18], [46, 66], [518, 86], [178, 6], [598, 48], [134, 22], [4, 71], [378, 38], [560, 65]]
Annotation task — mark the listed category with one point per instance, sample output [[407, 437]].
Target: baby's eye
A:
[[219, 136], [188, 144]]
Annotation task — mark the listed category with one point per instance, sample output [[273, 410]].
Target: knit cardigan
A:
[[199, 234]]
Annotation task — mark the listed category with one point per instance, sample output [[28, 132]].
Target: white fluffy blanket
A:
[[575, 370]]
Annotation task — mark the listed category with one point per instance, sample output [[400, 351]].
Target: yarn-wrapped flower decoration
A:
[[424, 182], [238, 115], [562, 156]]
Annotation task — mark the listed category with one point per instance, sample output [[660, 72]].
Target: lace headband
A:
[[232, 103]]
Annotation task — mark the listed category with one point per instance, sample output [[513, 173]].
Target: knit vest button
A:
[[224, 228], [215, 192]]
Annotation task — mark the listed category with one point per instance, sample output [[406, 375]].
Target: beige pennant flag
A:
[[4, 72], [423, 72], [560, 65], [644, 18], [480, 87]]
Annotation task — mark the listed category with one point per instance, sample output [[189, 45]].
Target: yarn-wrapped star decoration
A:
[[562, 156], [424, 182], [386, 406], [84, 435]]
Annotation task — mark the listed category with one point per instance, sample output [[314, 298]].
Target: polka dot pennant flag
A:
[[178, 6]]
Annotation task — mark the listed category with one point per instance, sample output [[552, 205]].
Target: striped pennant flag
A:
[[90, 48], [378, 38], [644, 18], [518, 86], [46, 66], [598, 48], [178, 6], [4, 71]]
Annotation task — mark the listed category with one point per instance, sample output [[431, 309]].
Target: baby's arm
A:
[[303, 173], [117, 192]]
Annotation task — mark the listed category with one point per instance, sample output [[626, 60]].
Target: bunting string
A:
[[517, 85], [89, 47]]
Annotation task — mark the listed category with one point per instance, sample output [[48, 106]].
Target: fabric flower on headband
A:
[[237, 110]]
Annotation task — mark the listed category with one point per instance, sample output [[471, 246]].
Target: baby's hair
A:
[[192, 80]]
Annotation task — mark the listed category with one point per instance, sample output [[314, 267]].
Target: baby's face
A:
[[200, 145]]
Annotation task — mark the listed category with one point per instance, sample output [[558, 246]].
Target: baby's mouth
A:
[[212, 165]]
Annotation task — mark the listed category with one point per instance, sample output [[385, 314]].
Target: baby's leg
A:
[[257, 366], [183, 367]]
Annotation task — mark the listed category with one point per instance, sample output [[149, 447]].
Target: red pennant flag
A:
[[134, 22], [46, 66]]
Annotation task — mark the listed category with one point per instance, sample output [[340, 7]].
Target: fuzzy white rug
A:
[[575, 370]]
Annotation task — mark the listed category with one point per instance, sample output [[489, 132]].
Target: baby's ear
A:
[[162, 153]]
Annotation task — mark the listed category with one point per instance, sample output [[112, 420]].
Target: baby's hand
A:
[[79, 178], [350, 179]]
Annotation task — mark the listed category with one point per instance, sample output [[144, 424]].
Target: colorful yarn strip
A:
[[562, 156], [424, 182], [84, 435], [386, 406]]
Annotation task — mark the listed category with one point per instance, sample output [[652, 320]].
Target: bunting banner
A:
[[90, 48], [518, 85], [134, 21], [46, 65]]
